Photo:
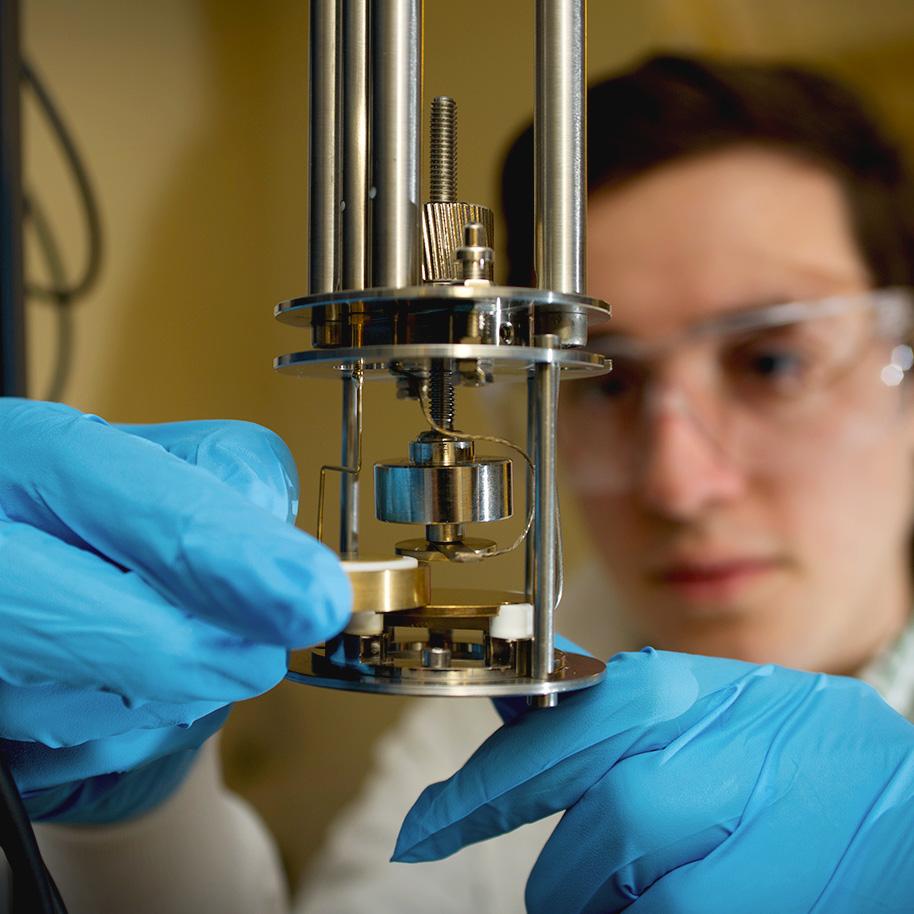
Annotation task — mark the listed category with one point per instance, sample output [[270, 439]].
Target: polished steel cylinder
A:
[[323, 149], [545, 518], [396, 67], [354, 209], [459, 494], [560, 138]]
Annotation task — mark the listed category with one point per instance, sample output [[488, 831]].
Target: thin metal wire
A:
[[425, 403]]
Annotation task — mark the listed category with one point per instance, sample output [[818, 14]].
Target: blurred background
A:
[[191, 118]]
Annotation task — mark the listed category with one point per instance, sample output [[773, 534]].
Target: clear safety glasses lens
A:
[[764, 388]]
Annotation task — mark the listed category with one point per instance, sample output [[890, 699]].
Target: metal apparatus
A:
[[405, 291]]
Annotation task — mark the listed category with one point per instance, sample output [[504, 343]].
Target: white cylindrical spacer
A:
[[365, 624], [394, 563], [514, 622]]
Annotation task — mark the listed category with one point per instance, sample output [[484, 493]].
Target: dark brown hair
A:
[[672, 107]]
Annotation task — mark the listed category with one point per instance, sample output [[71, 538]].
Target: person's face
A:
[[772, 535]]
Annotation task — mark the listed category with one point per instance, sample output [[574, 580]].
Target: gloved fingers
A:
[[71, 618], [545, 761], [60, 716], [740, 784], [187, 534], [783, 861], [37, 768], [251, 459], [643, 819]]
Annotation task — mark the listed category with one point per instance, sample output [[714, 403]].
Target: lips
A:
[[717, 580]]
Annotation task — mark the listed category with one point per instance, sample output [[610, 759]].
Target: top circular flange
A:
[[298, 310]]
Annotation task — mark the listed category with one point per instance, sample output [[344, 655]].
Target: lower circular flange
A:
[[578, 672]]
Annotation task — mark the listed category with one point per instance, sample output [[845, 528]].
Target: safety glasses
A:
[[765, 389]]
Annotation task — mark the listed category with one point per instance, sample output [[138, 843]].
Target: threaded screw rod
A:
[[441, 397], [443, 151]]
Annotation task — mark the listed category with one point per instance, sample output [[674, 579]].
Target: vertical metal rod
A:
[[560, 187], [530, 554], [396, 66], [12, 310], [323, 148], [560, 137], [351, 457], [355, 144], [354, 239], [545, 520]]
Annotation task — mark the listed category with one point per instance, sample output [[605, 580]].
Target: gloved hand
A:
[[695, 784], [148, 578]]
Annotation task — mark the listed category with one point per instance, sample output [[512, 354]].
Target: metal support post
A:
[[560, 186], [323, 149], [560, 141], [396, 65]]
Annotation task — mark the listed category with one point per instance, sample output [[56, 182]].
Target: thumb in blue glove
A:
[[695, 784], [149, 578]]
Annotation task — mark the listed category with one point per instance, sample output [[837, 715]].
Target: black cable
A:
[[54, 263], [32, 890], [61, 293], [84, 187]]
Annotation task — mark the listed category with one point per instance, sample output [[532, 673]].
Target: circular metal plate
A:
[[579, 672], [505, 298], [511, 362]]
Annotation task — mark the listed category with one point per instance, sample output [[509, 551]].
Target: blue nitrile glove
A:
[[695, 784], [149, 576]]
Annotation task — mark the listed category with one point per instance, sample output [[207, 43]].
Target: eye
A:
[[622, 385], [768, 366], [626, 378]]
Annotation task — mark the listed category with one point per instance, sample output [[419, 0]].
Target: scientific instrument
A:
[[405, 291]]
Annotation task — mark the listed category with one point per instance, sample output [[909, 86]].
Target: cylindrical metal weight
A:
[[458, 494]]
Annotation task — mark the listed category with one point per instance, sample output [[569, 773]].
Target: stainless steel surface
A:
[[560, 138], [323, 149], [442, 184], [396, 67], [529, 554], [354, 208], [504, 362], [432, 449], [465, 493], [465, 549], [475, 259], [545, 544], [578, 672], [501, 315], [351, 449], [298, 310]]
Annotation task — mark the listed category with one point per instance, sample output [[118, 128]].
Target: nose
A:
[[686, 465]]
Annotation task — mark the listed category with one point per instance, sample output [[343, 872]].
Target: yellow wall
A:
[[191, 116]]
